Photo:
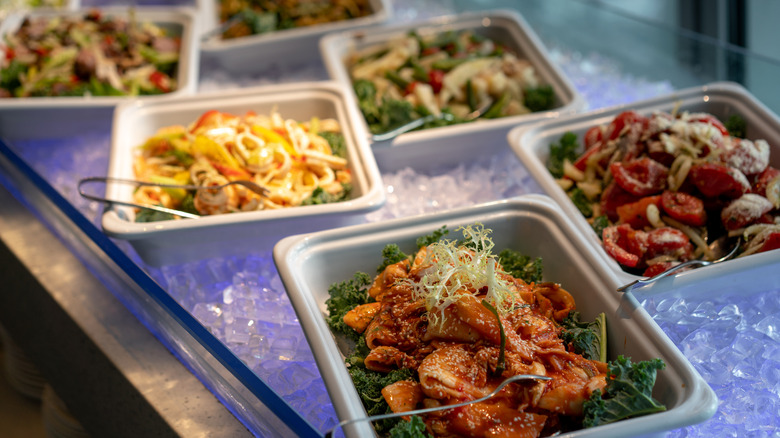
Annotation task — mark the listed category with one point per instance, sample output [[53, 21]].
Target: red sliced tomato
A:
[[685, 208], [160, 81], [620, 243], [635, 213], [657, 268], [613, 197], [745, 211], [749, 157], [640, 177], [593, 136], [668, 241], [771, 242], [760, 182], [582, 161], [626, 118], [714, 180], [710, 120]]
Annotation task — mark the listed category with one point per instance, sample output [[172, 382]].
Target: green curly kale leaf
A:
[[565, 149], [628, 393], [344, 297]]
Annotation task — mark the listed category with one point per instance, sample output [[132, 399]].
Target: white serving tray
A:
[[722, 99], [176, 241], [308, 264], [287, 47], [487, 135]]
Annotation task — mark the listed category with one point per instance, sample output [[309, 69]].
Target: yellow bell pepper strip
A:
[[219, 157], [176, 194], [274, 137]]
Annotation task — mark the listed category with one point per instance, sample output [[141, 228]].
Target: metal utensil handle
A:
[[670, 271], [498, 389], [131, 204], [414, 124]]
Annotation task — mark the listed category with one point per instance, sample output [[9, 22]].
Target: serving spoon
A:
[[498, 389], [416, 123], [260, 190], [718, 247]]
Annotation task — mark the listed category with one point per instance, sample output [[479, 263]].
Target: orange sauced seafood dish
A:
[[297, 163], [450, 324]]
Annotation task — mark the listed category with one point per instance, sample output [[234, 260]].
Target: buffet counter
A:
[[135, 348]]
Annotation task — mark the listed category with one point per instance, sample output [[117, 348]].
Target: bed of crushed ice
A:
[[732, 340]]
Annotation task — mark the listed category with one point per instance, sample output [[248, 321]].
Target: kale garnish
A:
[[521, 266], [369, 386], [565, 149], [585, 338], [628, 393], [414, 428], [581, 201], [344, 297]]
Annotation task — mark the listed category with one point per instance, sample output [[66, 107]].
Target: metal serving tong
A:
[[414, 124], [498, 389], [644, 281], [262, 191]]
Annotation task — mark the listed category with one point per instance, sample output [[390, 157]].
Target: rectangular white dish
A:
[[177, 21], [179, 240], [722, 99], [507, 27], [287, 47], [534, 225]]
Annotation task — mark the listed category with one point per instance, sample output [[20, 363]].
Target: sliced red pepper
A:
[[410, 88], [160, 81], [635, 213], [714, 180], [204, 119], [436, 79], [640, 177], [685, 208]]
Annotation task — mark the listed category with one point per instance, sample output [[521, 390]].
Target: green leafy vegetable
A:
[[521, 266], [392, 113], [585, 338], [541, 98], [391, 254], [337, 143], [369, 386], [581, 201], [565, 149], [435, 236], [320, 196], [501, 362], [628, 393], [736, 126], [599, 224], [145, 215], [414, 428], [344, 297], [366, 94]]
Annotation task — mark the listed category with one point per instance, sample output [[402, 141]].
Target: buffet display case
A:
[[227, 317]]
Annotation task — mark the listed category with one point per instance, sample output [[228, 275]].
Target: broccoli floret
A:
[[344, 297], [521, 266], [628, 393], [414, 428], [540, 98], [581, 201], [565, 149], [585, 338], [736, 126], [337, 144], [393, 113]]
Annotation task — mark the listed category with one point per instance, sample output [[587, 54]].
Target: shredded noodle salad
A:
[[659, 189], [298, 164]]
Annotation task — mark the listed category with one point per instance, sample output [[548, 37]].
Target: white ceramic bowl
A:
[[67, 116], [507, 27], [178, 240], [536, 226], [722, 99], [287, 47]]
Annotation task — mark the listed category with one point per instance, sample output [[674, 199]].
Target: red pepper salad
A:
[[660, 188]]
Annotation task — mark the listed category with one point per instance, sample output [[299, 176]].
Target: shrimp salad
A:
[[251, 17], [297, 163], [450, 323], [659, 189], [455, 73], [92, 55]]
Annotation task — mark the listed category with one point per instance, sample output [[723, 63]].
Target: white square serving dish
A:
[[177, 21], [532, 144], [505, 26], [534, 225], [174, 241], [288, 47]]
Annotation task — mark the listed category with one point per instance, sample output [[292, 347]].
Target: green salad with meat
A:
[[89, 55], [451, 73]]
